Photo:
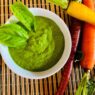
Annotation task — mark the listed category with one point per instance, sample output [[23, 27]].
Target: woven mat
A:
[[13, 84]]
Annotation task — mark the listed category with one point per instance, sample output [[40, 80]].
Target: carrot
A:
[[88, 41], [65, 77], [75, 33], [89, 3], [81, 12]]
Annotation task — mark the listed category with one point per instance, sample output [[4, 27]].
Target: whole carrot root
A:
[[88, 41], [87, 86], [75, 33]]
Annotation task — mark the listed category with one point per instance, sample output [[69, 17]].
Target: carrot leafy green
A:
[[61, 3], [86, 86], [91, 87]]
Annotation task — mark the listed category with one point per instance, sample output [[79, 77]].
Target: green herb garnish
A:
[[13, 35], [17, 34], [23, 15]]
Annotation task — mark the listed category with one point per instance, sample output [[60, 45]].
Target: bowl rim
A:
[[54, 69]]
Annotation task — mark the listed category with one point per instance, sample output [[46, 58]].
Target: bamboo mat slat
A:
[[3, 78], [13, 84]]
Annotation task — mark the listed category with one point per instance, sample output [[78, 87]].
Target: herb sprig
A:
[[13, 35]]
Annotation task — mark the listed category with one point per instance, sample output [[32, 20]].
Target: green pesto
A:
[[44, 47]]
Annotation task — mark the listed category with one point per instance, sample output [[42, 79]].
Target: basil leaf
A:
[[13, 35], [23, 15]]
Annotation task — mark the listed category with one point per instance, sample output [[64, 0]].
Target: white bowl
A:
[[43, 74]]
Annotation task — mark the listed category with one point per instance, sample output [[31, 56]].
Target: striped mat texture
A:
[[13, 84]]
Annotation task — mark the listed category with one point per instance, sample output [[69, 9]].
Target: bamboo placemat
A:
[[13, 84]]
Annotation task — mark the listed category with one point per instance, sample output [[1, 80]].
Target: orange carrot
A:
[[89, 3], [88, 41]]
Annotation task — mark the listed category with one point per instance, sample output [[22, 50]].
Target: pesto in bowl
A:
[[62, 38], [44, 47]]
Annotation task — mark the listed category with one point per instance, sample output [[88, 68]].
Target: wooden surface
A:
[[13, 84]]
